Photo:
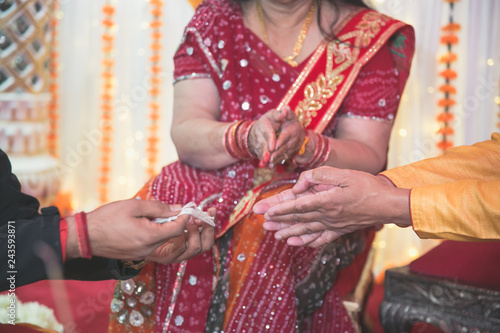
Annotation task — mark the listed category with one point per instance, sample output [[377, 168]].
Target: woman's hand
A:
[[262, 136], [290, 139]]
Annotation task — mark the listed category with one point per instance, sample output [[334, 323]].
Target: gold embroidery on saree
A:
[[344, 55]]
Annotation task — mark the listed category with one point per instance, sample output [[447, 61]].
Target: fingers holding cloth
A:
[[197, 236]]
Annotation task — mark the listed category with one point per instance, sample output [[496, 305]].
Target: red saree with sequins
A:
[[250, 282]]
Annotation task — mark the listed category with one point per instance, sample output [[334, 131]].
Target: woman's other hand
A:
[[262, 136], [290, 139]]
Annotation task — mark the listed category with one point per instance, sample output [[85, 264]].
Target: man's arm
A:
[[20, 239], [327, 203], [21, 227], [119, 230], [467, 210]]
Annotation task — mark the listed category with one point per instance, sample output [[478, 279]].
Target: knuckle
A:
[[308, 229]]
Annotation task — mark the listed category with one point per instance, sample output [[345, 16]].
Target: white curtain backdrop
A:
[[414, 134], [80, 31]]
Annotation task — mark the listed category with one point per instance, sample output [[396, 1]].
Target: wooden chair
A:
[[455, 287]]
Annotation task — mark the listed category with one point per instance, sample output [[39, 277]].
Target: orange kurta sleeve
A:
[[457, 195], [465, 210], [480, 161]]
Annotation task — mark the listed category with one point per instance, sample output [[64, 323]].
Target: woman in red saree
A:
[[234, 76]]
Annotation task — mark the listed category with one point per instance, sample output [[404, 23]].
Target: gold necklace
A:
[[300, 39]]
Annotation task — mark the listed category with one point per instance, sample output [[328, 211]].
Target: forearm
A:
[[199, 143], [72, 251], [97, 268], [390, 204], [350, 154], [359, 145], [342, 154]]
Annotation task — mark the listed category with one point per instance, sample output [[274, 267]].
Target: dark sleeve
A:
[[96, 269], [23, 229]]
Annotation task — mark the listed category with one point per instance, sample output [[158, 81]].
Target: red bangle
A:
[[82, 233], [326, 152], [244, 136], [235, 139]]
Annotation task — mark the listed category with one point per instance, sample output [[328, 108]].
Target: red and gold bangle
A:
[[237, 144], [317, 151], [245, 131], [82, 234], [229, 139], [235, 139], [325, 153]]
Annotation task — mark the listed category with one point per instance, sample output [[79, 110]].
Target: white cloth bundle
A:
[[189, 209]]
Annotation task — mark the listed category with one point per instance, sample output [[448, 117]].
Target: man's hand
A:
[[328, 202], [197, 238], [123, 230]]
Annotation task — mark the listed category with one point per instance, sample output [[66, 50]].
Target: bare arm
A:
[[360, 144], [196, 131]]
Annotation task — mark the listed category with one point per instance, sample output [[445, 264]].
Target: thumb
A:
[[154, 208], [325, 175]]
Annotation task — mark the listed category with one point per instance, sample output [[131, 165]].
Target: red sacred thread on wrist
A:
[[82, 233], [321, 151], [303, 147], [63, 236]]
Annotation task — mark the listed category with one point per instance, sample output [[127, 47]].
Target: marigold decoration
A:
[[155, 69], [52, 139], [195, 3], [108, 11], [449, 38], [497, 100]]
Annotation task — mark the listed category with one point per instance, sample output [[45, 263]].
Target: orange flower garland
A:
[[63, 199], [52, 139], [195, 3], [154, 105], [449, 38], [497, 100], [106, 100]]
